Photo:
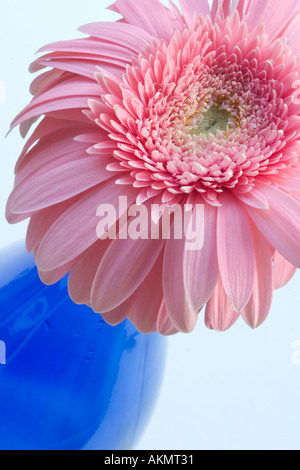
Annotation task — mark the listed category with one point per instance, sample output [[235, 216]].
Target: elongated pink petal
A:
[[258, 307], [73, 87], [235, 251], [163, 324], [45, 79], [73, 93], [149, 15], [190, 7], [83, 67], [49, 107], [117, 315], [292, 33], [177, 12], [52, 277], [242, 7], [15, 218], [281, 223], [200, 266], [122, 270], [254, 199], [76, 229], [124, 34], [80, 286], [182, 315], [146, 300], [90, 46], [220, 7], [60, 183], [283, 271], [269, 14], [219, 314], [46, 137], [53, 154], [40, 222]]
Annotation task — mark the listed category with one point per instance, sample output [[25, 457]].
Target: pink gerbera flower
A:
[[168, 106]]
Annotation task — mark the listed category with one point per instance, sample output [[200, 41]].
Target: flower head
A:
[[168, 107]]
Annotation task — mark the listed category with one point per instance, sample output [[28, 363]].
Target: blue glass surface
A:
[[70, 380]]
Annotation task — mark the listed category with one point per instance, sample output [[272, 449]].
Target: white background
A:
[[233, 390]]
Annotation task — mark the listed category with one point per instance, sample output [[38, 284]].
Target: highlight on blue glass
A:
[[69, 381]]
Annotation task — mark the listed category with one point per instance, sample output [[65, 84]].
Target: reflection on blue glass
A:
[[70, 380]]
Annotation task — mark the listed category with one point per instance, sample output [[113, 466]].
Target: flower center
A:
[[213, 120], [208, 112]]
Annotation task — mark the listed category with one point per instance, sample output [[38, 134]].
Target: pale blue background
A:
[[233, 390]]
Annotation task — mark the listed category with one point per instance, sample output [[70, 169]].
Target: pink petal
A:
[[16, 218], [149, 15], [59, 104], [117, 315], [281, 223], [177, 13], [48, 153], [235, 251], [292, 32], [221, 7], [90, 47], [72, 93], [283, 271], [269, 13], [83, 272], [219, 314], [45, 79], [122, 270], [253, 199], [60, 183], [123, 34], [200, 267], [76, 229], [190, 7], [242, 7], [163, 324], [45, 133], [182, 315], [258, 307], [41, 222], [84, 67], [52, 277], [146, 300]]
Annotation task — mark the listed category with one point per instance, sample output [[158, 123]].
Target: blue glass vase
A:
[[70, 381]]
